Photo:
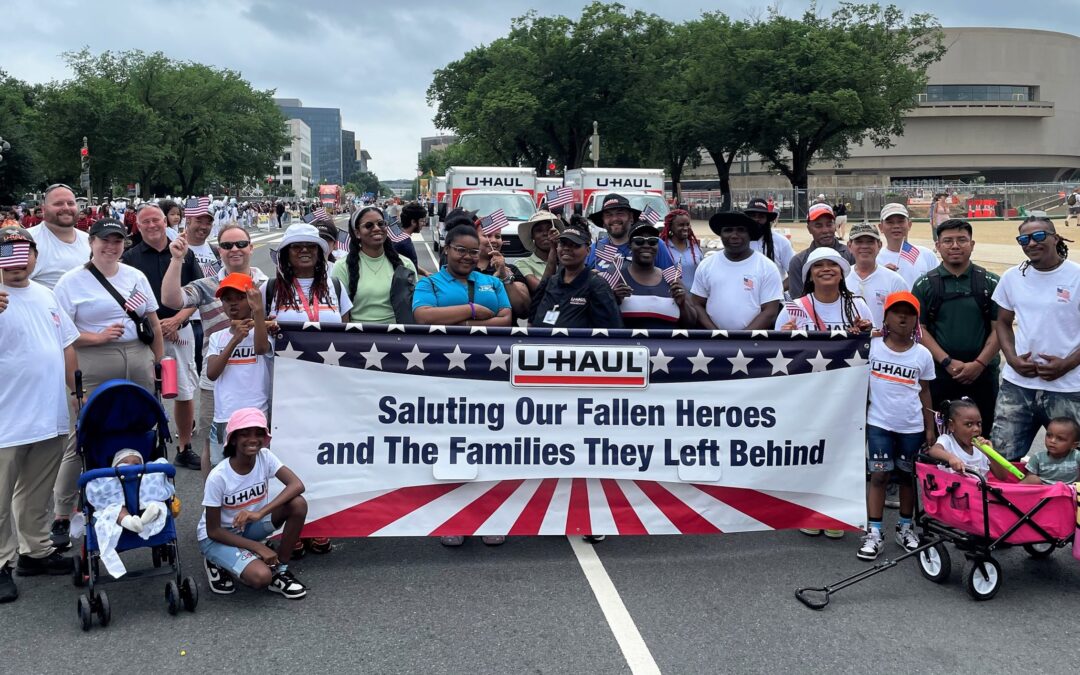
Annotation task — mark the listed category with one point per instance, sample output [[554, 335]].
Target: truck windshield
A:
[[515, 206]]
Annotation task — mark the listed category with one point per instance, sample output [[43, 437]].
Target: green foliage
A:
[[18, 170], [366, 181]]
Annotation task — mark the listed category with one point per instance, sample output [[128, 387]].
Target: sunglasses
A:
[[466, 252], [230, 245], [1038, 237], [645, 241], [373, 225]]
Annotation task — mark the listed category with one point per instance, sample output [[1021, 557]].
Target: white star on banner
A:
[[740, 363], [559, 331], [779, 363], [660, 362], [288, 352], [680, 333], [456, 358], [819, 364], [415, 358], [473, 330], [359, 328], [838, 332], [519, 330], [856, 360], [498, 359], [395, 327], [700, 362], [599, 331], [717, 333], [373, 357], [312, 324], [331, 356], [639, 332], [799, 333], [437, 329], [759, 333]]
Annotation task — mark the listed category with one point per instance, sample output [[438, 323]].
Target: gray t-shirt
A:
[[1050, 470]]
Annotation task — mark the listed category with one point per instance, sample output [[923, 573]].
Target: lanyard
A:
[[310, 308]]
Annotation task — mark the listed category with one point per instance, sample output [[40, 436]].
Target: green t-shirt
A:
[[959, 327], [371, 303], [1050, 470], [531, 266]]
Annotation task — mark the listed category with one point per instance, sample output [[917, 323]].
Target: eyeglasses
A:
[[645, 241], [230, 245], [465, 252], [1038, 237]]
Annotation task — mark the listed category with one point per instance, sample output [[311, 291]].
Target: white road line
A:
[[633, 647]]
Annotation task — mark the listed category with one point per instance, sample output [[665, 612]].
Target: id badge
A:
[[552, 315]]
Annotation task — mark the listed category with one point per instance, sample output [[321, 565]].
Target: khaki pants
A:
[[27, 475], [128, 360]]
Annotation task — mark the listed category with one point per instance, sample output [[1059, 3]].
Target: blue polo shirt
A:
[[443, 290], [663, 256]]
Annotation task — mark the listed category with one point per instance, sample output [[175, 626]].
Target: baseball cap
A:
[[819, 210], [637, 228], [236, 281], [893, 209], [902, 297], [16, 233], [863, 230], [327, 230], [107, 226], [576, 234]]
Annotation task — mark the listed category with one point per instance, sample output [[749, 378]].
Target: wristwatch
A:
[[945, 362]]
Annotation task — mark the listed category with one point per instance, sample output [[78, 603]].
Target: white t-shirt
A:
[[782, 249], [208, 263], [975, 462], [55, 257], [93, 309], [235, 492], [34, 330], [1047, 307], [875, 288], [736, 290], [926, 261], [895, 385], [829, 314], [328, 313], [246, 380]]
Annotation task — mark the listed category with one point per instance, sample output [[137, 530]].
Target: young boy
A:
[[239, 513], [1060, 461]]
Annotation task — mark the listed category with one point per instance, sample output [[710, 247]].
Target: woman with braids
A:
[[302, 290], [828, 304], [1041, 379], [679, 238], [776, 248], [378, 280]]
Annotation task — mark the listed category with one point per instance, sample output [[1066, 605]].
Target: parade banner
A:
[[431, 430]]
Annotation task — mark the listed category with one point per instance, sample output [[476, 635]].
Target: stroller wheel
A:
[[983, 578], [104, 610], [172, 596], [189, 594], [1040, 550], [86, 618], [935, 563]]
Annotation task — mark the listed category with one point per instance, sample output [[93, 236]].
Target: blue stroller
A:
[[120, 414]]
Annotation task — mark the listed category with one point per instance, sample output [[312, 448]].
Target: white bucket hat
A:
[[302, 233], [825, 253]]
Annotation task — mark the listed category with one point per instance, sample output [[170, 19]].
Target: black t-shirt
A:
[[407, 249], [586, 302], [153, 264]]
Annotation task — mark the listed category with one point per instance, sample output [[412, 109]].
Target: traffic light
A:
[[551, 166], [84, 158]]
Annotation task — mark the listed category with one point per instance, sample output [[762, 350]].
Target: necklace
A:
[[374, 265]]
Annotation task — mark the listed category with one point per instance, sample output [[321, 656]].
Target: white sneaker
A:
[[906, 537], [872, 545]]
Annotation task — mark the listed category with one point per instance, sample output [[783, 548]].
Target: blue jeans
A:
[[1020, 413], [889, 450]]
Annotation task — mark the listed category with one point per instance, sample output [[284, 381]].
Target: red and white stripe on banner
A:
[[561, 506]]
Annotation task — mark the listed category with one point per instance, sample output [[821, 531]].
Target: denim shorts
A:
[[1021, 412], [217, 443], [235, 559], [890, 450]]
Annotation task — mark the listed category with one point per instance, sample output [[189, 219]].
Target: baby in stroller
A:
[[106, 495]]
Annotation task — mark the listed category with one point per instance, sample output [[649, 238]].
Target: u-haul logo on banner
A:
[[575, 366]]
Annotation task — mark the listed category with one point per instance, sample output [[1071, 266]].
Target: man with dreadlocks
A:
[[681, 242], [776, 248], [1041, 380]]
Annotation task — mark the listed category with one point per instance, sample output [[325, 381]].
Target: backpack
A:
[[268, 296], [980, 292], [1072, 199]]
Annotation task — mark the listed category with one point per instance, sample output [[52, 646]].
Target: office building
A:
[[325, 125], [294, 165], [362, 157], [429, 144], [348, 153]]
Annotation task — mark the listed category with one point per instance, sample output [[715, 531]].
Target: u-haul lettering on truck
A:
[[574, 366], [495, 181]]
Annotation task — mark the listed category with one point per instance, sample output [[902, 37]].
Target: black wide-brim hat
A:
[[733, 218], [613, 201], [759, 205]]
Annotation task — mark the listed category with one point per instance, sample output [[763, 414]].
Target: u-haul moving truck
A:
[[641, 186], [545, 184], [485, 189]]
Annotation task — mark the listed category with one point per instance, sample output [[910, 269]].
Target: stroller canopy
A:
[[120, 414]]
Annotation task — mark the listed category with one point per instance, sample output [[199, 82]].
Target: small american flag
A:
[[397, 236], [14, 255], [613, 276], [135, 300], [609, 253], [343, 241], [748, 283], [320, 214], [909, 253], [1063, 294], [494, 222], [210, 269], [651, 215], [795, 311], [560, 196], [671, 274]]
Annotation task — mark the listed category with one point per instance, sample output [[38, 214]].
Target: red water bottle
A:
[[168, 377]]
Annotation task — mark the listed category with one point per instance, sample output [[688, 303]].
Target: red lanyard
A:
[[310, 308]]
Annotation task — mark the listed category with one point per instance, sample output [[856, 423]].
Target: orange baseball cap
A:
[[902, 296], [236, 281]]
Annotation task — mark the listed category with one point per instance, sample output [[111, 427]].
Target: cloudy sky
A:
[[372, 59]]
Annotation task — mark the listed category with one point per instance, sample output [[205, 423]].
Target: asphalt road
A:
[[699, 604]]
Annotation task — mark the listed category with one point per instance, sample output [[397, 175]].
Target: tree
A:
[[462, 153], [363, 182], [18, 171], [673, 130], [802, 97]]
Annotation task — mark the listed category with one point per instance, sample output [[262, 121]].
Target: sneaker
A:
[[61, 534], [834, 534], [187, 459], [872, 545], [493, 539], [456, 540], [810, 532], [8, 590], [892, 496], [299, 549], [320, 545], [53, 564], [220, 582], [594, 538], [287, 585], [906, 537]]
